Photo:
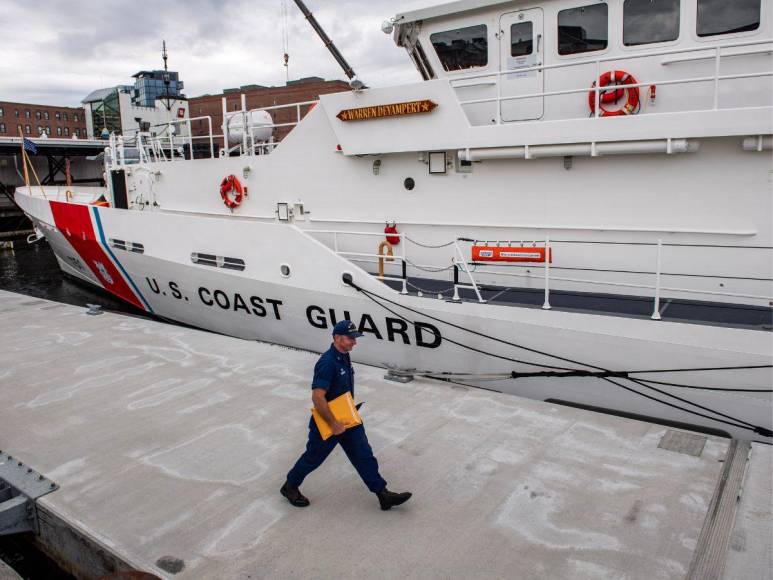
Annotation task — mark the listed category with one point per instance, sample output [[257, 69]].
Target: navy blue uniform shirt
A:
[[334, 373]]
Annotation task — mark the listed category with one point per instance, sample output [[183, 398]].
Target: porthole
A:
[[284, 270]]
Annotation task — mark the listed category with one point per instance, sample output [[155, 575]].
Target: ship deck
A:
[[170, 444], [675, 310]]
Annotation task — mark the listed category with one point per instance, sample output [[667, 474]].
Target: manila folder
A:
[[343, 410]]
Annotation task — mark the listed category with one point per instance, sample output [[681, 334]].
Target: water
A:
[[33, 270]]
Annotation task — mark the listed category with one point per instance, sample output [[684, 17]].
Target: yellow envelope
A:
[[343, 410]]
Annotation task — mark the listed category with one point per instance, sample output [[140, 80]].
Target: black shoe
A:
[[294, 495], [389, 499]]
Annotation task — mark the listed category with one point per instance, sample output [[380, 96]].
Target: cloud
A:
[[68, 48]]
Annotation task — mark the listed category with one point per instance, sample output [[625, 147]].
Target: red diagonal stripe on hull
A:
[[74, 221]]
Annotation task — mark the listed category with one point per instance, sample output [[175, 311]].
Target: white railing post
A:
[[404, 268], [335, 242], [190, 138], [499, 98], [597, 92], [656, 308], [211, 140], [546, 303], [244, 124], [716, 78], [467, 271], [225, 126]]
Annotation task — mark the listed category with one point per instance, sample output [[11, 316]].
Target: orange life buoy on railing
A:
[[229, 184], [615, 78]]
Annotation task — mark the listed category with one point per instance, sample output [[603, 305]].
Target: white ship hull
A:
[[299, 311]]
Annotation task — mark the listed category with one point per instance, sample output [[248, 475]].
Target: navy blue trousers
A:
[[357, 449]]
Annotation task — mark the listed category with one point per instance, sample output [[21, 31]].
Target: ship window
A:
[[462, 48], [582, 29], [723, 17], [521, 39], [648, 21]]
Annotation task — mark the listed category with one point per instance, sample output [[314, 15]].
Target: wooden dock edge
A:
[[74, 551], [710, 554]]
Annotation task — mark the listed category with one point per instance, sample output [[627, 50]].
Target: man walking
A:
[[334, 376]]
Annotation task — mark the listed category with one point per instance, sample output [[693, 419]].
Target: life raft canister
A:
[[510, 254], [229, 184], [615, 78], [391, 228]]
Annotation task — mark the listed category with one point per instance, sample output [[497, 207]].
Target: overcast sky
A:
[[55, 52]]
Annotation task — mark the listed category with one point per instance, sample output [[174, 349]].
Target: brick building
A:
[[306, 89], [55, 122]]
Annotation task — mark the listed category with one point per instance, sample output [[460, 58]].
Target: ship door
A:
[[521, 47]]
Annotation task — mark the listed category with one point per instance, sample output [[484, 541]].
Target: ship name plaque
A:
[[391, 110]]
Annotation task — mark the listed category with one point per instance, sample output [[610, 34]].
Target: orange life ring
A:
[[615, 78], [229, 184]]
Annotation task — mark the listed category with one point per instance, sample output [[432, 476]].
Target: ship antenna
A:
[[326, 40], [167, 97]]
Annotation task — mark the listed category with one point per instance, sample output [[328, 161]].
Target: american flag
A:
[[30, 146]]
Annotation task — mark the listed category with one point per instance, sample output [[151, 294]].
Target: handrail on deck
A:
[[460, 263], [598, 89]]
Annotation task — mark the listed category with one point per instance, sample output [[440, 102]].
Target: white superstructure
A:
[[630, 141]]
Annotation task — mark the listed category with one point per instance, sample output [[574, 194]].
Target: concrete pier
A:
[[170, 444]]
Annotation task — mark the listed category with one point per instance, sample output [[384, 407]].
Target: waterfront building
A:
[[257, 96], [151, 85], [36, 120], [146, 105]]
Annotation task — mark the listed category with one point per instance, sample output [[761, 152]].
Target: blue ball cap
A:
[[346, 328]]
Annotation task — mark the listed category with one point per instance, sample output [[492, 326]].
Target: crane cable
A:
[[285, 40], [600, 372]]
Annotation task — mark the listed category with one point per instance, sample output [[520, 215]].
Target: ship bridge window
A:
[[723, 17], [649, 21], [583, 29], [462, 48]]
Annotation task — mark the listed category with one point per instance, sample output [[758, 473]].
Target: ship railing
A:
[[248, 143], [164, 144], [656, 287], [382, 259], [597, 89], [460, 265]]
